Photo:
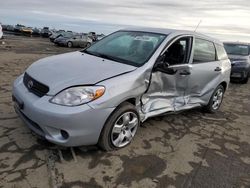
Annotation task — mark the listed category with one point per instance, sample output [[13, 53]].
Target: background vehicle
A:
[[18, 28], [56, 34], [101, 94], [239, 55], [100, 36], [10, 28], [93, 36], [79, 41], [36, 31], [26, 30], [45, 32], [62, 40]]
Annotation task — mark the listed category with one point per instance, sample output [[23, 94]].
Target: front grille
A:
[[34, 86]]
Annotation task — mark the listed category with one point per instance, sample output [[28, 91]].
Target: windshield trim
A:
[[124, 61]]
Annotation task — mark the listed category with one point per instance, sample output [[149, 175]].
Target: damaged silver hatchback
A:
[[101, 95]]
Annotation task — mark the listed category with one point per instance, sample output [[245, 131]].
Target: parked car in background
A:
[[4, 27], [10, 28], [36, 31], [26, 30], [101, 94], [239, 55], [100, 36], [18, 27], [62, 40], [79, 41], [45, 32], [93, 36], [1, 31], [56, 34]]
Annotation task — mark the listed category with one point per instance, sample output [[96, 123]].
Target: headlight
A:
[[240, 63], [78, 95]]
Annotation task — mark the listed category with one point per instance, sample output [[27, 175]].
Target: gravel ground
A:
[[190, 149]]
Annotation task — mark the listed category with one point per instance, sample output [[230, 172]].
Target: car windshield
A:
[[129, 47], [237, 49], [67, 35]]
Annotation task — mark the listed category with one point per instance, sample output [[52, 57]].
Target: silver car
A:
[[101, 95], [79, 41]]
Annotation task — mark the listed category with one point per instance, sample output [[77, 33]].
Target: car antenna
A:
[[198, 25]]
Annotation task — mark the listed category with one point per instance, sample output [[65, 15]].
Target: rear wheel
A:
[[120, 128], [215, 100], [70, 44]]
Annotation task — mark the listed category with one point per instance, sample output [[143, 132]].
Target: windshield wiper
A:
[[105, 56], [91, 53]]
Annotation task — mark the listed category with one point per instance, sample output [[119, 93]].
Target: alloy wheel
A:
[[217, 99], [124, 129]]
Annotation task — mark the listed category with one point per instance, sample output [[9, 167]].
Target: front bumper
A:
[[66, 126], [238, 73], [60, 43]]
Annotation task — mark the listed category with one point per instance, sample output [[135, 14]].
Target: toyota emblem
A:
[[30, 84]]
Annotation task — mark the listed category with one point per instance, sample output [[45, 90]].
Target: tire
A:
[[211, 106], [70, 44], [120, 128]]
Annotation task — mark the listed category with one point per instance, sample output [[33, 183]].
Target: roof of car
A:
[[169, 31]]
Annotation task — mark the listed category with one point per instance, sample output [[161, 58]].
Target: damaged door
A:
[[169, 79]]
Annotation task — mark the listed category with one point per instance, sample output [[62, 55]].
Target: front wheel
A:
[[70, 44], [215, 100], [120, 128]]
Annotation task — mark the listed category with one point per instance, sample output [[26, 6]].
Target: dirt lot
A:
[[191, 149]]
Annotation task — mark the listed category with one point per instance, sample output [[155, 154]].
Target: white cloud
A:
[[226, 19]]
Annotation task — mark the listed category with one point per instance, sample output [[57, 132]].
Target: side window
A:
[[178, 52], [204, 51], [221, 52]]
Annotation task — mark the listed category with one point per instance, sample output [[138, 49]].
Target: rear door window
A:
[[221, 52], [204, 51]]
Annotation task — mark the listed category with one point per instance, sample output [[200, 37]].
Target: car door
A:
[[77, 39], [205, 73], [82, 41], [169, 79]]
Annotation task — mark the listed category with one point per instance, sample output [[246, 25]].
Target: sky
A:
[[227, 20]]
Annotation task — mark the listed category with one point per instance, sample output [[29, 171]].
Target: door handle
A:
[[217, 69], [185, 73]]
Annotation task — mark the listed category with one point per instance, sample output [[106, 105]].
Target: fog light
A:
[[64, 134]]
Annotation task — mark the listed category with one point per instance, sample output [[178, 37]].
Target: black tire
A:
[[105, 141], [210, 108], [70, 44]]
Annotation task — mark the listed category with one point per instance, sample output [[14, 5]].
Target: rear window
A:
[[221, 52], [204, 51]]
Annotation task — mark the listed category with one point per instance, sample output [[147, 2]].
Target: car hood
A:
[[75, 68], [237, 57]]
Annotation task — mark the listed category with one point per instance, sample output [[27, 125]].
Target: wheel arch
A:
[[224, 84]]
